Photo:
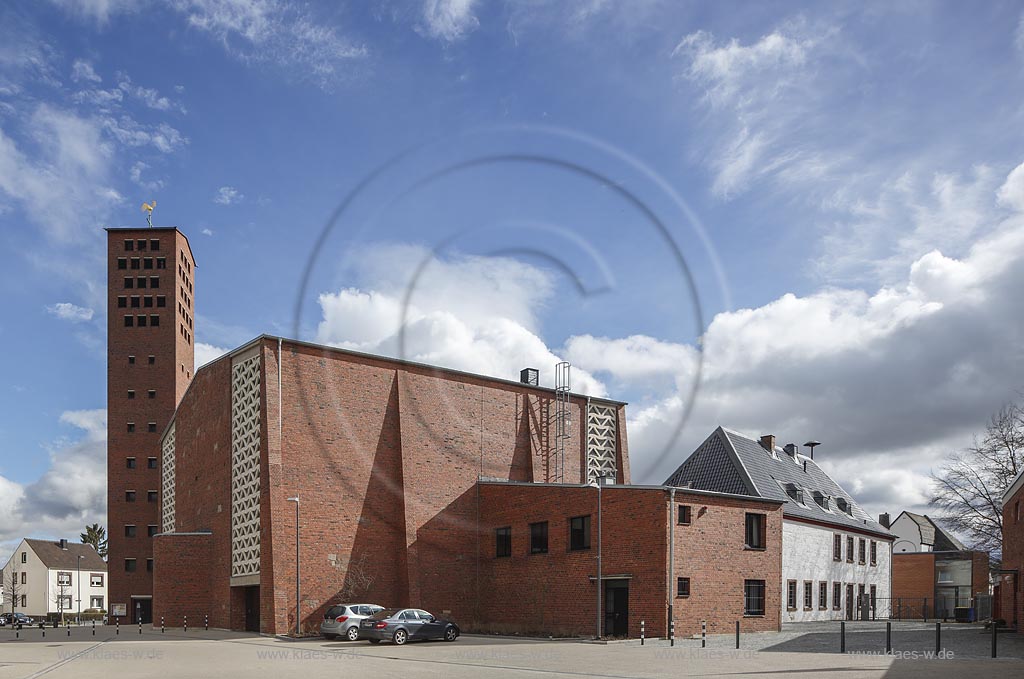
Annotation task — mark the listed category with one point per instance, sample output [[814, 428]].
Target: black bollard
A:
[[94, 628], [737, 635], [938, 637], [161, 624], [186, 623], [672, 633], [842, 637], [206, 622], [994, 628], [117, 625], [703, 633], [140, 625], [888, 638], [641, 632], [68, 626]]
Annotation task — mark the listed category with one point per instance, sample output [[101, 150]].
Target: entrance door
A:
[[252, 608], [142, 611], [616, 608], [849, 602]]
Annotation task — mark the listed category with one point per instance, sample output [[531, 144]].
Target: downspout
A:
[[280, 443], [671, 555]]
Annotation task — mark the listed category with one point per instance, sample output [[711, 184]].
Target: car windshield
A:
[[334, 611], [385, 613]]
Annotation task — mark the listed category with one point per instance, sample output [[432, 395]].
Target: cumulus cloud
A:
[[469, 313], [228, 195], [66, 311], [448, 20], [204, 353], [207, 232], [71, 492], [1011, 193], [82, 71]]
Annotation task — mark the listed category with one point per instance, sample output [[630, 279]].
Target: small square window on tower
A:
[[129, 321], [154, 244], [150, 463], [122, 262], [151, 393], [131, 360], [152, 360], [141, 321], [129, 245], [129, 283]]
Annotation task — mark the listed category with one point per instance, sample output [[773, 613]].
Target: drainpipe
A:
[[671, 552], [280, 443]]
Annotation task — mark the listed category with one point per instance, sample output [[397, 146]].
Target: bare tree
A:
[[969, 486], [61, 592], [12, 587]]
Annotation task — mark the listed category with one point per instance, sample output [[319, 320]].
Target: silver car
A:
[[342, 620]]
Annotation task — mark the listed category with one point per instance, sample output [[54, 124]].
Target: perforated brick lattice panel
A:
[[600, 441], [245, 467], [167, 481]]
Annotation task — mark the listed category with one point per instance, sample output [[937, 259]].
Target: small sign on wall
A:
[[118, 610]]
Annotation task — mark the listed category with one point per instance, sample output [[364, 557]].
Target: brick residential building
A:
[[149, 366], [466, 495], [1009, 590]]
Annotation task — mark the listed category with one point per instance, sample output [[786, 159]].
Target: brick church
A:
[[506, 505]]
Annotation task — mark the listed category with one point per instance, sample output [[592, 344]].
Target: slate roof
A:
[[729, 461], [933, 534], [52, 556]]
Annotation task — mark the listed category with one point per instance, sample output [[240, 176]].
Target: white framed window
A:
[[63, 578], [96, 580]]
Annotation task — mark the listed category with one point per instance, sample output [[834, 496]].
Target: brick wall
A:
[[979, 573], [710, 551], [182, 579], [1011, 590], [913, 579]]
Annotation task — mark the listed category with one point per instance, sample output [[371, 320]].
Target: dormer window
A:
[[822, 500], [795, 492], [844, 506]]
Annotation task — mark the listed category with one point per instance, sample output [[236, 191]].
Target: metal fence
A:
[[959, 609]]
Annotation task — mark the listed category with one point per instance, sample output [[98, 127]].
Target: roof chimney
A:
[[63, 543], [790, 449], [529, 376], [884, 520], [768, 442]]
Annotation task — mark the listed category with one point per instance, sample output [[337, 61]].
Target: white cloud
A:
[[204, 353], [135, 173], [276, 31], [130, 132], [66, 311], [148, 96], [228, 195], [83, 71], [70, 494], [1011, 193], [207, 232], [99, 11], [448, 20], [469, 313]]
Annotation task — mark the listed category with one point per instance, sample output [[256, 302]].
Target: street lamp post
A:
[[79, 618], [298, 598], [600, 480]]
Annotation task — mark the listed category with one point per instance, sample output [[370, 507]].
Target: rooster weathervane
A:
[[148, 209]]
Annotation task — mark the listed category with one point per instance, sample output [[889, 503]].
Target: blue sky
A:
[[843, 181]]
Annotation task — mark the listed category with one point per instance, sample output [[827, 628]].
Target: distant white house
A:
[[53, 577], [918, 533], [836, 559]]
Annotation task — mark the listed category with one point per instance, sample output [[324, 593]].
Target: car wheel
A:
[[330, 637], [374, 641], [400, 637], [450, 634], [352, 633]]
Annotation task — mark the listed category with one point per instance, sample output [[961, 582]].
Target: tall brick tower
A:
[[150, 358]]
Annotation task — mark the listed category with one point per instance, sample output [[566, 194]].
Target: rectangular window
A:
[[151, 496], [161, 262], [131, 427], [822, 595], [151, 393], [539, 538], [579, 532], [849, 549], [129, 321], [791, 595], [151, 463], [129, 283], [682, 586], [129, 496], [24, 577], [874, 591], [129, 245], [753, 597], [154, 244], [147, 302], [131, 393], [147, 263], [150, 530], [23, 604], [129, 531], [837, 596], [149, 565], [122, 263], [151, 360], [135, 302], [874, 553], [141, 321], [154, 282], [122, 302], [96, 602], [684, 515], [129, 565], [837, 547], [63, 578], [131, 360], [64, 602], [808, 595], [142, 245], [503, 541], [861, 551], [24, 556], [754, 536], [151, 426], [154, 321], [130, 462], [136, 262], [96, 580], [141, 283], [161, 301]]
